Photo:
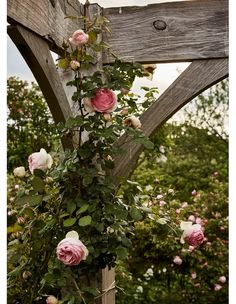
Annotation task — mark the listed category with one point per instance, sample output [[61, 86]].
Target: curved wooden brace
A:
[[199, 76], [37, 55]]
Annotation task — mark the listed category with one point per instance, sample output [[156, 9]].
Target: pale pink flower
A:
[[51, 300], [199, 221], [191, 248], [191, 218], [104, 101], [71, 251], [192, 233], [194, 192], [79, 37], [124, 111], [177, 260], [217, 287], [178, 211], [19, 172], [162, 203], [132, 122], [107, 117], [74, 65], [184, 205], [193, 275], [222, 279], [40, 160]]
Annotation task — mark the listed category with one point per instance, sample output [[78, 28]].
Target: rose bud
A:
[[162, 203], [74, 65], [88, 105], [107, 116], [132, 122], [79, 38], [193, 275], [124, 91], [26, 275], [40, 160], [177, 260], [19, 172], [194, 192], [71, 251], [104, 101], [51, 300], [124, 111], [191, 218]]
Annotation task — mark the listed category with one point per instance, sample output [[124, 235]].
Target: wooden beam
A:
[[46, 18], [36, 53], [169, 32], [199, 76]]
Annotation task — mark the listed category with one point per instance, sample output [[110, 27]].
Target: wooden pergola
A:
[[194, 31]]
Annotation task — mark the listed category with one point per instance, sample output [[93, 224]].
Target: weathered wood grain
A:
[[37, 55], [194, 30], [45, 19], [199, 76]]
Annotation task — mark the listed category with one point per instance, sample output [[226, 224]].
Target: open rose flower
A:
[[104, 101], [132, 122], [71, 251], [192, 233], [222, 279], [19, 172], [217, 287], [40, 160], [177, 260], [79, 37], [51, 300]]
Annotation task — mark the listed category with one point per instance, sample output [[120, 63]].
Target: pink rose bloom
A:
[[222, 279], [104, 101], [184, 205], [192, 233], [71, 251], [162, 203], [194, 192], [191, 248], [79, 37], [51, 300], [191, 218], [177, 260], [40, 160], [193, 275], [217, 287], [199, 221], [178, 211]]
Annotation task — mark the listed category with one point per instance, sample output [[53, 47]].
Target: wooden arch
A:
[[195, 31]]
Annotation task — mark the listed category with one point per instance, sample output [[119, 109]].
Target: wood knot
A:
[[159, 25]]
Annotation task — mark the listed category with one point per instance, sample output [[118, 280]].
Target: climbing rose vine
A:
[[66, 219]]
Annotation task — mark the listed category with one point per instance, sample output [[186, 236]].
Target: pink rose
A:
[[222, 279], [177, 260], [184, 205], [104, 101], [71, 251], [194, 192], [162, 203], [191, 218], [217, 287], [193, 275], [194, 235], [79, 37], [40, 160], [178, 211], [51, 300]]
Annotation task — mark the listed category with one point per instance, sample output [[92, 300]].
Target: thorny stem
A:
[[79, 291]]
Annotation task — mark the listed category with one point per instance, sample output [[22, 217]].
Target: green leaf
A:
[[136, 214], [87, 180], [85, 221], [31, 200], [121, 252], [39, 173], [82, 209], [69, 222], [92, 290], [92, 37], [38, 184], [71, 206], [14, 228]]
